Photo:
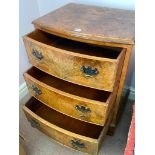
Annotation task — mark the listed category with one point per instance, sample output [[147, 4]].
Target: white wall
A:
[[31, 9], [28, 11], [122, 4], [46, 6]]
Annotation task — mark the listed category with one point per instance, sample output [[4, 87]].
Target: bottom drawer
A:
[[66, 130]]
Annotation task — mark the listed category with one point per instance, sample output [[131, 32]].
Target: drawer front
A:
[[69, 139], [75, 107], [95, 72]]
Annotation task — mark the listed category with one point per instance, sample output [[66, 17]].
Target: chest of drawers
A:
[[80, 56]]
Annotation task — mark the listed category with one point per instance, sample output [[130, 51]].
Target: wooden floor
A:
[[36, 143]]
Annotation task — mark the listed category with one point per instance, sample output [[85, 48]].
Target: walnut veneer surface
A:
[[81, 54], [95, 23]]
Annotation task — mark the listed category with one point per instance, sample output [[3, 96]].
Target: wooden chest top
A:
[[89, 23]]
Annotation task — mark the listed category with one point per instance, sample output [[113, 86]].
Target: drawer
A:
[[84, 103], [81, 63], [66, 130]]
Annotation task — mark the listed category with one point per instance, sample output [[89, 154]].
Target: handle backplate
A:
[[82, 109], [33, 123], [77, 144], [37, 54], [88, 71], [36, 90]]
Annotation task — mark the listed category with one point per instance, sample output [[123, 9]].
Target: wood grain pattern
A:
[[66, 63], [91, 23], [63, 58], [120, 87], [64, 97], [54, 127]]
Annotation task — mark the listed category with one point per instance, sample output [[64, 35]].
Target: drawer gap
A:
[[75, 46]]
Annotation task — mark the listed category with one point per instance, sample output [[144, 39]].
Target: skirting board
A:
[[23, 91]]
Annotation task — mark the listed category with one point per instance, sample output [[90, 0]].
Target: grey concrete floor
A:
[[37, 143]]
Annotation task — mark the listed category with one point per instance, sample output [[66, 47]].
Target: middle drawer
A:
[[87, 104]]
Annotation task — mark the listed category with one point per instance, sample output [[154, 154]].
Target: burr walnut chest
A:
[[80, 56]]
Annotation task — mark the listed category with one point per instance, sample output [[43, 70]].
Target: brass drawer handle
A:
[[82, 109], [88, 71], [37, 54], [77, 144], [33, 123], [36, 90]]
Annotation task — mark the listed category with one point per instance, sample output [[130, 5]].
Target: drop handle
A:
[[77, 144], [37, 54], [88, 71], [36, 90], [33, 123], [82, 109]]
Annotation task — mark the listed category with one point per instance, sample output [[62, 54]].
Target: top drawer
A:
[[85, 64]]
